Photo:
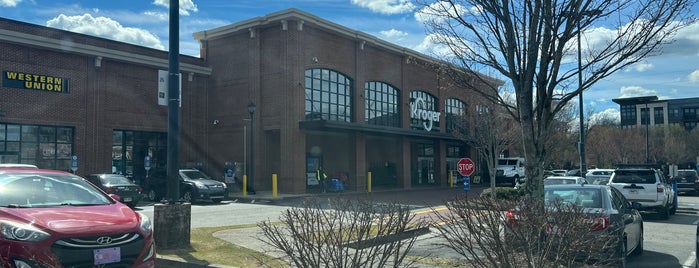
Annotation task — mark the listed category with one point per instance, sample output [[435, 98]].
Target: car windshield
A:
[[551, 181], [634, 176], [598, 180], [195, 174], [587, 198], [115, 180], [48, 190]]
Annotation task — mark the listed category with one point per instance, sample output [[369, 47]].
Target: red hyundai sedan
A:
[[53, 218]]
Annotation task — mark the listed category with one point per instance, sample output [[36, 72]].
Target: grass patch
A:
[[207, 249]]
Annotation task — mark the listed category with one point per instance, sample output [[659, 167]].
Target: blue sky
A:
[[673, 74]]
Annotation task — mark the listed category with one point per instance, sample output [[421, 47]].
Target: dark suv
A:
[[647, 186], [194, 185], [687, 181]]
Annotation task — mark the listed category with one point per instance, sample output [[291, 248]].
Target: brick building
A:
[[324, 95]]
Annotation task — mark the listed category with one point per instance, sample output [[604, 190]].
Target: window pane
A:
[[30, 133], [12, 132]]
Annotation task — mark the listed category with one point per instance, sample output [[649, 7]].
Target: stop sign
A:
[[465, 166]]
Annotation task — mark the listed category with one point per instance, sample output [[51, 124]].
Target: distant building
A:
[[649, 110]]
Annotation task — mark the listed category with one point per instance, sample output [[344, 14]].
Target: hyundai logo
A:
[[105, 240]]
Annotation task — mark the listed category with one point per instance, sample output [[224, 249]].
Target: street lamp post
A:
[[251, 183], [583, 164]]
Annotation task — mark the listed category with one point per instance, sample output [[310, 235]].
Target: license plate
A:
[[107, 255], [633, 191], [127, 199]]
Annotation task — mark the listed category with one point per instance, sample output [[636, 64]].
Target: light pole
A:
[[251, 183], [647, 121], [580, 15], [583, 164]]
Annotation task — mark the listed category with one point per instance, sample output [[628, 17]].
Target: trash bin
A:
[[336, 185]]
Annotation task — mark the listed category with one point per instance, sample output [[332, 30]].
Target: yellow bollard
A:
[[451, 179], [245, 185], [274, 185], [368, 187]]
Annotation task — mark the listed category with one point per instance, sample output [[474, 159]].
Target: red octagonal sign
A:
[[465, 166]]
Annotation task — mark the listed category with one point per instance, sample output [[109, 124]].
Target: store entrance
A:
[[423, 163]]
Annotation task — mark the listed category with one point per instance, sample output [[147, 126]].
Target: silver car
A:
[[599, 175]]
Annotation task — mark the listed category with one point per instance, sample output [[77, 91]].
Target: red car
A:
[[53, 218]]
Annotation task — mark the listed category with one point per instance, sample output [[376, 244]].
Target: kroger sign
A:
[[418, 111]]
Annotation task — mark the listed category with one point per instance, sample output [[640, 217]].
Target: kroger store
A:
[[323, 94]]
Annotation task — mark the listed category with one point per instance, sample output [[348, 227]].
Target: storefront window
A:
[[328, 95], [424, 102], [381, 104], [455, 112], [45, 146], [129, 149]]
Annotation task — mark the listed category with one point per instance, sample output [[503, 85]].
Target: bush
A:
[[345, 233], [506, 193], [507, 234]]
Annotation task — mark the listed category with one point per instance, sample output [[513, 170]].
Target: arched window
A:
[[382, 104], [423, 101], [328, 95], [455, 110]]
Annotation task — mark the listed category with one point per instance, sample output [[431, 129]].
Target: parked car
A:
[[607, 210], [194, 186], [559, 172], [573, 172], [599, 175], [52, 218], [687, 180], [564, 180], [647, 186], [129, 193], [13, 165]]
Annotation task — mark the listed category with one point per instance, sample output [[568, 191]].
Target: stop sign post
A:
[[465, 166]]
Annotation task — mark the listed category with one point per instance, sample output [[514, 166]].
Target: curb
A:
[[171, 262]]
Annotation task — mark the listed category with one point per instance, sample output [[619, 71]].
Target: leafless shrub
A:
[[503, 233], [346, 233]]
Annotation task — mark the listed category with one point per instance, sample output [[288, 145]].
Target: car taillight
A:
[[109, 190], [660, 188], [696, 180], [599, 223], [139, 189], [510, 218]]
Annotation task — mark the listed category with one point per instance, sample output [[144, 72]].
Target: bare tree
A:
[[532, 43], [489, 130]]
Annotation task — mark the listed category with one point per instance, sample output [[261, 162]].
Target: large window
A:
[[428, 103], [658, 115], [328, 95], [47, 147], [628, 114], [645, 116], [382, 104], [455, 111], [129, 149]]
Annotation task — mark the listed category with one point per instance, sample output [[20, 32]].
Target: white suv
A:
[[648, 187]]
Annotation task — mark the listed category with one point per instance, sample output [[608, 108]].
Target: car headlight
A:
[[146, 225], [21, 232], [200, 185]]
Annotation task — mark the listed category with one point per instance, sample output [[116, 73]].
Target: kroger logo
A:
[[418, 111]]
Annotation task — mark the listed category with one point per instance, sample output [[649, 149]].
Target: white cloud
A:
[[384, 6], [636, 91], [606, 115], [185, 6], [107, 28], [440, 11], [694, 77], [642, 67], [393, 34], [9, 3]]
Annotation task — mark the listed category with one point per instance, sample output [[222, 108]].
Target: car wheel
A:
[[639, 248], [664, 213], [620, 261], [152, 196], [187, 196], [673, 210]]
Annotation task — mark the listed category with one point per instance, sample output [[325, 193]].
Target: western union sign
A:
[[35, 81]]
